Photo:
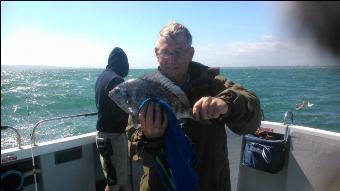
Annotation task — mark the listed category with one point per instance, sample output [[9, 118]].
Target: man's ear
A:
[[192, 52]]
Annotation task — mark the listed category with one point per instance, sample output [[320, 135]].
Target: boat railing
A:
[[5, 127], [288, 118], [33, 139]]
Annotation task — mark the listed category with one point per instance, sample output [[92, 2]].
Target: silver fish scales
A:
[[129, 94]]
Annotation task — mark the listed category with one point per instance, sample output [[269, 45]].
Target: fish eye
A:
[[116, 90]]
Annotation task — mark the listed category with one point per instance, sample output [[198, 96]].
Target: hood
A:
[[118, 62]]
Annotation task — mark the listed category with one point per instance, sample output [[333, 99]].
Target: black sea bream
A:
[[129, 94]]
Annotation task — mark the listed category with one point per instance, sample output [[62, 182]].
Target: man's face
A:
[[173, 57]]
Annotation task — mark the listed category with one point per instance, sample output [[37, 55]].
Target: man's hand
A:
[[153, 120], [209, 108]]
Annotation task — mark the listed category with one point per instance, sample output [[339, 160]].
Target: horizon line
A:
[[85, 67]]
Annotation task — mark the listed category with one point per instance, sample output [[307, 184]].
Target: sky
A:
[[82, 34]]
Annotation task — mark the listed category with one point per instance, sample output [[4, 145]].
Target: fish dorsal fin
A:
[[160, 78]]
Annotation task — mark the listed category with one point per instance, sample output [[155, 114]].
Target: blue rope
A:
[[178, 152]]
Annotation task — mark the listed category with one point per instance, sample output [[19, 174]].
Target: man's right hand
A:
[[153, 120]]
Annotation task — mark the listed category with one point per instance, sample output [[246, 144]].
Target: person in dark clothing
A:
[[111, 138], [216, 102]]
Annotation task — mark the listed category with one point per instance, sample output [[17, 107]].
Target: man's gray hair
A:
[[173, 30]]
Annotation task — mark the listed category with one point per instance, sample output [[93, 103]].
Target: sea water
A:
[[30, 94]]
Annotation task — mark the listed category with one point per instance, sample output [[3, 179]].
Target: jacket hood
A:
[[118, 62]]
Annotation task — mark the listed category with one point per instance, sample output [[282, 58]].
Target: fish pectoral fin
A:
[[131, 111], [135, 121]]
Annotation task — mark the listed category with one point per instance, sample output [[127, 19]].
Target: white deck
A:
[[312, 163]]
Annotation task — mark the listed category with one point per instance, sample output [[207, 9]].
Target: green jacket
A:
[[209, 141]]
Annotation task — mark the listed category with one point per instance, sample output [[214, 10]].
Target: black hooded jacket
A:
[[111, 119]]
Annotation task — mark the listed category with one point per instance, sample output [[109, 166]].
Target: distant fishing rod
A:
[[57, 118]]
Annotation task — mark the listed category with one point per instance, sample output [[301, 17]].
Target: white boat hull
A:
[[72, 163]]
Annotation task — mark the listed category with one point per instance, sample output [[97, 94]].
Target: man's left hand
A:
[[209, 108]]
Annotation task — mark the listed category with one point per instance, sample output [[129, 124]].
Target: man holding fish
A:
[[204, 102]]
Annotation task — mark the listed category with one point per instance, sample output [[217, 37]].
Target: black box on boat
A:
[[262, 154]]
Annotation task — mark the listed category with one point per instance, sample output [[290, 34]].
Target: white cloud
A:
[[267, 37], [141, 57], [266, 52], [33, 47]]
